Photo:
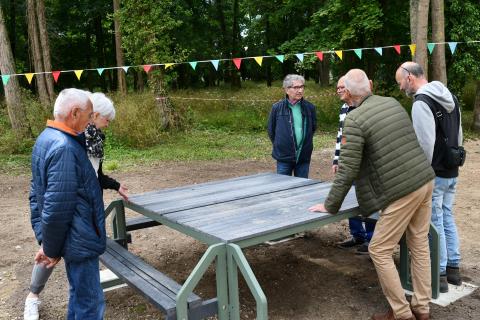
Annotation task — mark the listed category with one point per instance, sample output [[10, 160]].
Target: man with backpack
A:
[[437, 124]]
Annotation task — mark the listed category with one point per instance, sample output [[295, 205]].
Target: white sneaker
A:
[[31, 309]]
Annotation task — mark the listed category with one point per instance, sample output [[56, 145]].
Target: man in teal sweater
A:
[[392, 174]]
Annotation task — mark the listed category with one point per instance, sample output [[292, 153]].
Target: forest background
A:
[[205, 111]]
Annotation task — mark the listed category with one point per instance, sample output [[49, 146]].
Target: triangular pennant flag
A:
[[29, 77], [100, 70], [55, 75], [319, 55], [453, 46], [397, 48], [413, 47], [339, 54], [147, 67], [193, 64], [78, 73], [5, 79], [379, 50], [126, 68], [280, 57], [299, 56], [168, 65], [430, 47], [358, 52], [259, 60], [237, 62], [215, 63]]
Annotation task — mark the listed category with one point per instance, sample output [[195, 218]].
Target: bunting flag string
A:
[[238, 61]]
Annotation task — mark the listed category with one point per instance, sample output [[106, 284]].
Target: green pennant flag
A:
[[100, 70], [430, 47], [193, 64], [358, 52], [280, 57], [5, 79]]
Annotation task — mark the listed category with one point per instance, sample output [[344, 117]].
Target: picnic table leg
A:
[[241, 262], [434, 261], [119, 226], [216, 251], [233, 294]]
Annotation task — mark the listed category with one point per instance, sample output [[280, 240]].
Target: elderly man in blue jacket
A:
[[67, 212], [291, 126]]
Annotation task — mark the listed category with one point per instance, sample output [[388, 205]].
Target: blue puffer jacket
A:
[[67, 212], [282, 134]]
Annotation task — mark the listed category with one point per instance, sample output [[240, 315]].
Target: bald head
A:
[[357, 83], [410, 77]]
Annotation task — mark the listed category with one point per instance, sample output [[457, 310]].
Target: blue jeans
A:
[[357, 230], [86, 299], [298, 169], [443, 219]]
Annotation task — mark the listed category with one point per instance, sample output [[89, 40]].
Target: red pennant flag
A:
[[237, 62], [397, 48], [147, 67], [319, 55], [55, 75]]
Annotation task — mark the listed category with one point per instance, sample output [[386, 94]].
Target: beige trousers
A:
[[410, 214]]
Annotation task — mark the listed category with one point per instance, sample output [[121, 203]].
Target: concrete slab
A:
[[454, 293]]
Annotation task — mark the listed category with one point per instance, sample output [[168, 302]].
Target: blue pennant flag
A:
[[125, 68], [215, 63], [299, 56], [379, 50], [453, 46]]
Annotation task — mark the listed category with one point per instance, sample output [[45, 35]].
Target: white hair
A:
[[356, 81], [103, 105], [68, 99], [288, 81]]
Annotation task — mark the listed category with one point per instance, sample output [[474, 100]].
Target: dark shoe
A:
[[443, 283], [453, 276], [421, 316], [352, 242], [389, 316], [362, 249]]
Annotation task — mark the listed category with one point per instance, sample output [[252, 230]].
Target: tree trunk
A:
[[235, 75], [36, 53], [324, 71], [122, 83], [439, 68], [45, 48], [100, 48], [16, 111], [421, 38], [413, 20], [13, 27], [476, 110]]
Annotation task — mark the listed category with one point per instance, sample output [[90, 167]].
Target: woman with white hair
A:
[[103, 113]]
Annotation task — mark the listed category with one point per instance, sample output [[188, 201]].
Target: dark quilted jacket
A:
[[381, 154], [67, 212]]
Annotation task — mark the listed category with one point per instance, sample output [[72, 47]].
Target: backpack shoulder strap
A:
[[435, 108]]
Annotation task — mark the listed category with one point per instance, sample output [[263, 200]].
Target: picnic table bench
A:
[[227, 215]]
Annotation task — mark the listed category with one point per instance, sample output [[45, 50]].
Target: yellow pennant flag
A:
[[339, 54], [78, 73], [259, 60], [168, 65], [413, 47], [29, 77]]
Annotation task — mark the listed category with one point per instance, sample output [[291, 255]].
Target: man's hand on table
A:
[[318, 208]]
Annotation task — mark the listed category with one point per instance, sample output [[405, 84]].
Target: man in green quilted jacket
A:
[[392, 174]]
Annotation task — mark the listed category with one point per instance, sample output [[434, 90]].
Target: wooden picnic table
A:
[[230, 215]]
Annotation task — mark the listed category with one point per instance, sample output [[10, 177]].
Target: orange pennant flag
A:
[[259, 60], [413, 47], [339, 54], [29, 77], [237, 62], [78, 73]]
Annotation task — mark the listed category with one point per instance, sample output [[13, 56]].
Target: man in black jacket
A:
[[291, 126]]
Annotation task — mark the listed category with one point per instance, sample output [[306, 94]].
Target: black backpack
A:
[[453, 156]]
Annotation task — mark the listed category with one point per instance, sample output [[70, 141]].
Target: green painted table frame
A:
[[230, 259]]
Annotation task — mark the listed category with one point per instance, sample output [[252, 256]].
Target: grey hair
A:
[[413, 68], [288, 81], [103, 105], [357, 83], [68, 99]]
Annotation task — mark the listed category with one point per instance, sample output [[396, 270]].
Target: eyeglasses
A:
[[297, 87], [340, 88], [409, 73]]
